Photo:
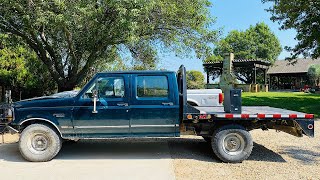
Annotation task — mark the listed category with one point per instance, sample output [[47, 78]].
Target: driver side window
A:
[[108, 87]]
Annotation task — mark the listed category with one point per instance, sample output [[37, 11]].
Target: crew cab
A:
[[140, 104]]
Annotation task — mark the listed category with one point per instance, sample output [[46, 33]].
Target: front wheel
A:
[[232, 143], [39, 143]]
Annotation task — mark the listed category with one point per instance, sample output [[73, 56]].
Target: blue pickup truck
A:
[[140, 104]]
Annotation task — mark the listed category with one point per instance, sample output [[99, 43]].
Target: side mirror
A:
[[95, 97]]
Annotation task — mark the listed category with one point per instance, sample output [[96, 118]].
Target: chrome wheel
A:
[[38, 143], [233, 144]]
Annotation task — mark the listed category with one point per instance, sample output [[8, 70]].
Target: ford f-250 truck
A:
[[141, 104]]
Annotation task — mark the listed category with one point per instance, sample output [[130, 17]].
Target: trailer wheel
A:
[[39, 143], [232, 143]]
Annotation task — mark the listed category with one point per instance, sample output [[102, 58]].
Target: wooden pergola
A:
[[210, 67]]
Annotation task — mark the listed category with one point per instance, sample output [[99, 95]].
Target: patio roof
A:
[[295, 66]]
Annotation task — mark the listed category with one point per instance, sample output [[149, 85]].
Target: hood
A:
[[37, 98], [59, 99], [45, 101]]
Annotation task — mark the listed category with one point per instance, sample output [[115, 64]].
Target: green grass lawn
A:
[[297, 101]]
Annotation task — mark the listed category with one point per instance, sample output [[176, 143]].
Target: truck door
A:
[[112, 116], [153, 111]]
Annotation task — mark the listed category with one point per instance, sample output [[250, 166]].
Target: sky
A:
[[234, 15]]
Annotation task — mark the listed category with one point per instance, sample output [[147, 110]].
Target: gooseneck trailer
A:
[[141, 104]]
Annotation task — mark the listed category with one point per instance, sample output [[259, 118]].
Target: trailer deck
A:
[[251, 111]]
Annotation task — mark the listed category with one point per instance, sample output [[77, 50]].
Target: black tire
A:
[[232, 143], [207, 139], [39, 143]]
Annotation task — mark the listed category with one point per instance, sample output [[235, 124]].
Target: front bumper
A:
[[3, 128], [4, 117]]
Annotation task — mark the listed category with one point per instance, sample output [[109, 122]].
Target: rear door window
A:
[[152, 86]]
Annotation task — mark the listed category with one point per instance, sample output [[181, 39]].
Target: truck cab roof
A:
[[136, 72]]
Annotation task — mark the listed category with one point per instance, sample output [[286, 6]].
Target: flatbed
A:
[[252, 111]]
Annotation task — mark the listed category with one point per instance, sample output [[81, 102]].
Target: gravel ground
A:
[[274, 156]]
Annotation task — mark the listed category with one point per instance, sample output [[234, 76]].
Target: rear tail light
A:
[[220, 98], [310, 126]]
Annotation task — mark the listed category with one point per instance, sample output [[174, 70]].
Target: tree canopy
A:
[[256, 43], [73, 37], [303, 16], [195, 80], [21, 71]]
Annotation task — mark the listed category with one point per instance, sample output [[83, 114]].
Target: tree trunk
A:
[[65, 85]]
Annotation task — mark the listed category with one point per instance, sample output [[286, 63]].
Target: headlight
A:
[[9, 114]]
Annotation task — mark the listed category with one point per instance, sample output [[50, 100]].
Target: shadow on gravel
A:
[[261, 153], [200, 150], [100, 150], [157, 148], [303, 155]]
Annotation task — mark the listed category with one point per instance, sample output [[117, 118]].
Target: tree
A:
[[73, 37], [21, 71], [195, 80], [303, 16], [257, 43], [314, 73]]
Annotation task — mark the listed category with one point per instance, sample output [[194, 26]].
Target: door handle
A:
[[167, 104], [122, 104]]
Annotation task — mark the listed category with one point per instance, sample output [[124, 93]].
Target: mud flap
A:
[[307, 126]]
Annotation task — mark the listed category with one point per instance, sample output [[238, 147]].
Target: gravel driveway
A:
[[275, 156]]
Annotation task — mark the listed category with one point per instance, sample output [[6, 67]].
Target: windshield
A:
[[65, 94]]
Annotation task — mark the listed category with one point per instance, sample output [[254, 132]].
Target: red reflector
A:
[[220, 98], [229, 116], [309, 116], [277, 116], [203, 116], [244, 116], [261, 116], [293, 116], [310, 126]]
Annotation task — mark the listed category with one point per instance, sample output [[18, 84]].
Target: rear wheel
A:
[[232, 143], [39, 143]]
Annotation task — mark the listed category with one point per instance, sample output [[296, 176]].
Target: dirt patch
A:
[[274, 156], [9, 138]]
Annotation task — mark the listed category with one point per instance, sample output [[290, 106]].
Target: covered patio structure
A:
[[291, 74], [256, 66]]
